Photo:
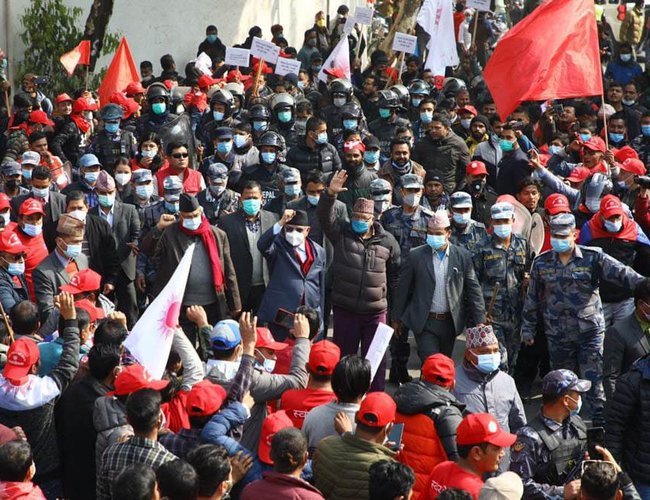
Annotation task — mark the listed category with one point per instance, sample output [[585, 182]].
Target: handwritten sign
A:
[[405, 43], [237, 57], [363, 15], [378, 346], [349, 25], [478, 4], [267, 51], [285, 66]]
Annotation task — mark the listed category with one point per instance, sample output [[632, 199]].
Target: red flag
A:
[[120, 73], [79, 55], [551, 54]]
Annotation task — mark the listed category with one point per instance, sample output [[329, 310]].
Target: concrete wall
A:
[[157, 27]]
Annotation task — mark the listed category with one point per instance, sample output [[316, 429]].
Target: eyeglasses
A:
[[180, 155]]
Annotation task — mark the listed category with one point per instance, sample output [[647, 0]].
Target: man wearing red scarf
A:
[[212, 282], [68, 144]]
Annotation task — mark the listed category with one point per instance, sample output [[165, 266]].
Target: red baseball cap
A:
[[377, 410], [438, 368], [476, 168], [31, 206], [39, 116], [4, 201], [578, 174], [133, 89], [557, 203], [83, 104], [205, 399], [21, 356], [323, 357], [335, 72], [478, 428], [205, 81], [95, 313], [610, 205], [266, 340], [85, 280], [467, 109], [273, 423], [10, 243], [595, 143], [63, 98], [133, 378], [624, 153], [634, 166]]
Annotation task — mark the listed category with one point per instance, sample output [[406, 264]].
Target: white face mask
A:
[[78, 214], [123, 178], [412, 199], [294, 238]]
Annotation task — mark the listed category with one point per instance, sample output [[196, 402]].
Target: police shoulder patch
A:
[[518, 446]]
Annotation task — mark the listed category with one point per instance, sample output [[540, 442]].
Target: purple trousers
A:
[[352, 329]]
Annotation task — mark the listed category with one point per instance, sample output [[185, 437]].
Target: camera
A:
[[42, 80], [643, 181]]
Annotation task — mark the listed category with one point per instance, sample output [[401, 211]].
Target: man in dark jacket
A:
[[112, 142], [212, 45], [514, 165], [366, 271], [358, 177], [313, 151]]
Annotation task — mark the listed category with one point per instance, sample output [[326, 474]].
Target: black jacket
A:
[[448, 155], [65, 144], [102, 250], [512, 169], [324, 158], [214, 50]]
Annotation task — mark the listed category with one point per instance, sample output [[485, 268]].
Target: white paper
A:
[[405, 43], [284, 66], [237, 57], [265, 50], [478, 4], [349, 25], [151, 338], [363, 15], [203, 63], [378, 347]]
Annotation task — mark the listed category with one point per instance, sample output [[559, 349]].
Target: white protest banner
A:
[[349, 25], [363, 15], [405, 43], [151, 338], [436, 18], [237, 57], [203, 63], [284, 66], [378, 347], [339, 58], [267, 51], [478, 4]]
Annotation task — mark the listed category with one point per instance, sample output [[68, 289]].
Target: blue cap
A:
[[381, 190], [217, 172], [173, 183], [111, 112], [290, 175], [562, 224], [30, 158], [11, 168], [225, 335], [142, 175], [89, 160], [558, 382], [222, 133], [503, 210], [460, 199], [412, 181]]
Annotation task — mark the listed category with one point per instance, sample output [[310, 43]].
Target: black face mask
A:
[[477, 187], [11, 184], [354, 168]]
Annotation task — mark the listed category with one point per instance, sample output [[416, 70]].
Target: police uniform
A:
[[108, 147], [547, 453], [381, 193], [567, 298], [216, 200], [468, 233], [292, 191]]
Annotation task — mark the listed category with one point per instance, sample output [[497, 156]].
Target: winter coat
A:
[[448, 155]]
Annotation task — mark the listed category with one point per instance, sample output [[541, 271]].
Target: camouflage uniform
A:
[[468, 236], [410, 231]]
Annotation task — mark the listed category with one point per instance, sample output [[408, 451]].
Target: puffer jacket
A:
[[430, 415], [448, 155], [324, 158], [109, 419], [632, 27], [365, 272]]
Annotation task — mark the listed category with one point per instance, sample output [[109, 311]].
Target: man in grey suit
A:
[[438, 293], [627, 340], [64, 262], [125, 226], [244, 229]]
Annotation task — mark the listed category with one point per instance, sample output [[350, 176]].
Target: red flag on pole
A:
[[79, 55], [120, 73], [551, 54]]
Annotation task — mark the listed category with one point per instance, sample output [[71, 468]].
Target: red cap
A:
[[83, 104], [377, 410], [624, 153], [439, 369], [95, 313], [31, 206], [478, 428], [63, 98], [476, 168], [128, 105], [557, 203], [205, 81], [21, 356], [634, 165], [133, 89], [10, 243], [85, 280], [352, 145], [323, 357], [595, 143], [4, 201], [335, 72], [273, 423], [133, 378], [39, 116], [266, 340], [468, 109], [579, 174], [610, 205], [205, 399]]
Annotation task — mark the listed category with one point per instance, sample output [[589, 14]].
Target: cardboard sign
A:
[[405, 43], [363, 15], [265, 50], [237, 57], [349, 25], [478, 4], [285, 66]]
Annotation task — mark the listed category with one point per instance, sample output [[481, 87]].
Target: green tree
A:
[[51, 29]]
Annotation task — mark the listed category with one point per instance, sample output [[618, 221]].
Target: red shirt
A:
[[36, 252], [451, 475], [192, 179], [298, 402]]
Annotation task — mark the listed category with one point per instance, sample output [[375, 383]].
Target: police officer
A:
[[217, 200], [224, 151], [143, 195], [382, 194], [172, 189], [418, 90], [502, 261], [260, 118], [550, 448], [269, 169], [465, 231], [291, 191], [384, 127], [563, 288], [111, 142], [351, 119], [222, 104], [283, 108], [340, 91]]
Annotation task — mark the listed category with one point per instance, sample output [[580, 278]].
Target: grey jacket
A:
[[109, 419]]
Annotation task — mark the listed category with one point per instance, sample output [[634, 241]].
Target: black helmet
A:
[[282, 100], [388, 99], [224, 97], [351, 110], [452, 86], [259, 112], [270, 139], [419, 87], [236, 89], [403, 94], [157, 90], [340, 86]]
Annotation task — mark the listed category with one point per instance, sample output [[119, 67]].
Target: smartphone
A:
[[42, 80], [558, 108], [595, 436], [284, 318], [394, 440]]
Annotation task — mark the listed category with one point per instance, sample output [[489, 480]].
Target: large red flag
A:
[[79, 55], [551, 54], [120, 73]]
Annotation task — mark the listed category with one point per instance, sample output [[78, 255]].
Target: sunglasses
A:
[[180, 155]]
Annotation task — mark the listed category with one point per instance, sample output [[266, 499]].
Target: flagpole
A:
[[7, 103], [473, 44], [87, 75], [258, 73], [400, 66]]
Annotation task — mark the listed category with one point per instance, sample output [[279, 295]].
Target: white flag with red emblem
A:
[[338, 62], [151, 338]]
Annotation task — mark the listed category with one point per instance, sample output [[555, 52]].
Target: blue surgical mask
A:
[[316, 69], [371, 157], [626, 57], [506, 145], [192, 224], [32, 229], [16, 268], [292, 189], [575, 412], [251, 206], [384, 113], [436, 241], [645, 130], [268, 157], [616, 137], [91, 177], [172, 206], [240, 140], [321, 138], [613, 227], [148, 153], [560, 245], [258, 125], [313, 200], [111, 128], [586, 137], [426, 116], [218, 115], [144, 191], [106, 200], [415, 102], [487, 363], [158, 108], [211, 38], [224, 147], [360, 226], [284, 116], [555, 149], [503, 230], [350, 124], [73, 251], [461, 219], [27, 174], [40, 193]]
